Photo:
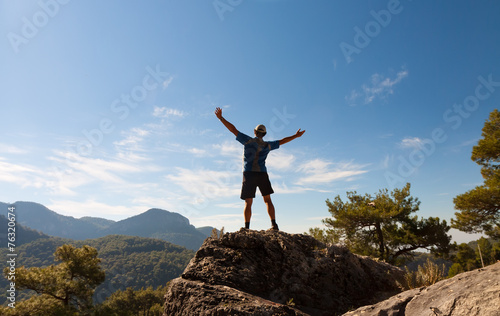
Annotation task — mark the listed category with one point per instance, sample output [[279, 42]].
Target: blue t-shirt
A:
[[255, 153]]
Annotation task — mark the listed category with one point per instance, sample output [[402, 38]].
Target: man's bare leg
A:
[[248, 212], [271, 211]]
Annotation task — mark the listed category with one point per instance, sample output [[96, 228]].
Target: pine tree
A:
[[383, 226], [63, 289], [131, 302], [479, 208]]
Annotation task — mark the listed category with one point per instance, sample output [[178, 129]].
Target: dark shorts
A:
[[252, 180]]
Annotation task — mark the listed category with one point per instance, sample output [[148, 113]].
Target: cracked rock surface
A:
[[473, 293], [274, 273]]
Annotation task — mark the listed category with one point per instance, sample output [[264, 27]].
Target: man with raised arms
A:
[[254, 166]]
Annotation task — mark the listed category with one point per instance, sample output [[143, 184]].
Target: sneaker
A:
[[275, 227]]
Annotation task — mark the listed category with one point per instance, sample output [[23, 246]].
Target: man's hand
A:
[[229, 126], [300, 133], [218, 113]]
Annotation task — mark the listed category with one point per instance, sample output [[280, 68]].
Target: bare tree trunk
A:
[[380, 240]]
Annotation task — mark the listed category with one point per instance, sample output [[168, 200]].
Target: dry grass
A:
[[218, 236], [426, 275]]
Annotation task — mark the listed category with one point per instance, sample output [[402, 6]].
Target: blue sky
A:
[[108, 107]]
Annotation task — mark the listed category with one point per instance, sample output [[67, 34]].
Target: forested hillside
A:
[[128, 261]]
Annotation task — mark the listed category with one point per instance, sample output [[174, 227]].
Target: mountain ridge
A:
[[153, 223]]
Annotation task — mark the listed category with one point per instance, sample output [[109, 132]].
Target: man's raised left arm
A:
[[290, 138]]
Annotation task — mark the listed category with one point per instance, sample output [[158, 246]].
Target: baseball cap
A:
[[260, 128]]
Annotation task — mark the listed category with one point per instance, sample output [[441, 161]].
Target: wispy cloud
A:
[[281, 160], [217, 219], [470, 142], [23, 175], [132, 139], [10, 149], [72, 172], [92, 207], [352, 97], [203, 184], [283, 188], [465, 145], [412, 143], [167, 82], [229, 149], [163, 200], [94, 169], [319, 171], [386, 162], [197, 151], [230, 205], [379, 87], [164, 112], [387, 135]]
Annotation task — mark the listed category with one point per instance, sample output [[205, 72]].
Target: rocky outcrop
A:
[[275, 273], [474, 293]]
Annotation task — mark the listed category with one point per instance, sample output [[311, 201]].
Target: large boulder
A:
[[474, 293], [275, 273]]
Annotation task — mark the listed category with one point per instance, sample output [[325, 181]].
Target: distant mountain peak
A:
[[158, 218], [159, 215], [159, 212], [155, 223]]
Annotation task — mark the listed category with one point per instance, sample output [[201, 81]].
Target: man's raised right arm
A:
[[228, 125]]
